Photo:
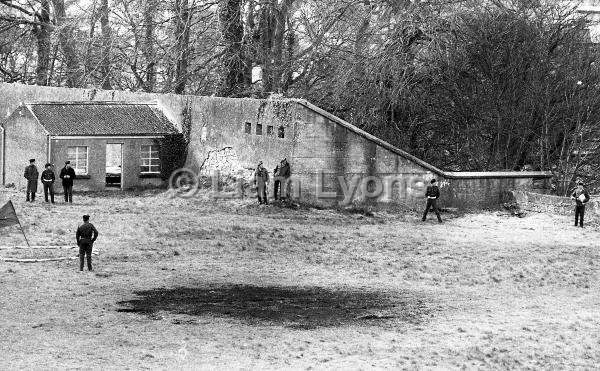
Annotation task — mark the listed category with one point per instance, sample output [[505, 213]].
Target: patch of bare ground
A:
[[205, 284]]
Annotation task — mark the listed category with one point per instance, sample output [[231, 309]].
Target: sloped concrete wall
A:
[[543, 203]]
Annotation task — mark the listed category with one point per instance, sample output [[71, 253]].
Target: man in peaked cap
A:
[[48, 179], [432, 193], [67, 174], [581, 197], [261, 179], [86, 235], [31, 174]]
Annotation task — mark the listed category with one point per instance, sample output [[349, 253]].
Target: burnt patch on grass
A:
[[294, 307]]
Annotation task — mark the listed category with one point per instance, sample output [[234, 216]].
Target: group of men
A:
[[67, 174], [281, 176]]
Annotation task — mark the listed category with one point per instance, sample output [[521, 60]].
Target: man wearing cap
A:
[[432, 193], [31, 174], [86, 235], [48, 179], [67, 174], [284, 174], [581, 197], [261, 179]]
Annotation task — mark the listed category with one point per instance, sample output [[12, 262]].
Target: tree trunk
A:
[[67, 42], [182, 40], [149, 53], [106, 45], [233, 61], [42, 34]]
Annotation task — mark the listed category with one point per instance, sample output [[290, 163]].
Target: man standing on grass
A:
[[86, 235], [284, 174], [261, 179], [67, 174], [31, 174], [48, 179], [432, 194], [581, 197]]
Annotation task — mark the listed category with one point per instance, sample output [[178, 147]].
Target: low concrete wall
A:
[[543, 203]]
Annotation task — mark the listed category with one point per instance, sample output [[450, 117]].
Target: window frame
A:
[[259, 132], [75, 161], [150, 158], [248, 128]]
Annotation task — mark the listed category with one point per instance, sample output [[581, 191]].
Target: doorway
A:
[[114, 165]]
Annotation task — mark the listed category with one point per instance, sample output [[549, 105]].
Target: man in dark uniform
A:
[[48, 179], [276, 182], [67, 174], [86, 235], [581, 197], [261, 179], [432, 194], [284, 174], [31, 174]]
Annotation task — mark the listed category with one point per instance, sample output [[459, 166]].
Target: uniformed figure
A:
[[581, 197], [67, 174], [86, 235], [285, 173], [432, 194], [48, 179], [31, 174], [261, 179]]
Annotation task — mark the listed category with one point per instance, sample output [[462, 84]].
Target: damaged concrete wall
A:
[[544, 203]]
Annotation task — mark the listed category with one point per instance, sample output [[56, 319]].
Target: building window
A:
[[270, 130], [281, 132], [258, 129], [150, 159], [78, 156], [248, 128]]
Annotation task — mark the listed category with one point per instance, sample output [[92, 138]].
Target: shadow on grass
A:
[[295, 307]]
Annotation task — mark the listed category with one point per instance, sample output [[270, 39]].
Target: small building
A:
[[111, 145]]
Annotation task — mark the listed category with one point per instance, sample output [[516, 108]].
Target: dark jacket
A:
[[576, 193], [276, 171], [261, 177], [67, 182], [432, 191], [86, 232], [48, 176], [285, 171], [31, 172]]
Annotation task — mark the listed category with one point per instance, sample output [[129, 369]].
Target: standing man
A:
[[31, 174], [261, 179], [48, 179], [432, 194], [284, 174], [67, 174], [581, 197], [276, 182], [86, 235]]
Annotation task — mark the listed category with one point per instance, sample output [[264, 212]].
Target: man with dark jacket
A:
[[85, 236], [276, 182], [284, 175], [261, 179], [67, 174], [432, 194], [31, 174], [581, 197], [48, 179]]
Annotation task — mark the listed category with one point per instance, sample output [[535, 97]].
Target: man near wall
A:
[[31, 174], [48, 179], [67, 174], [284, 174], [276, 182], [432, 193], [581, 197], [261, 179]]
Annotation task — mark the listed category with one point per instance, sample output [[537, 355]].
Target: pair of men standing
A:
[[67, 174], [281, 174]]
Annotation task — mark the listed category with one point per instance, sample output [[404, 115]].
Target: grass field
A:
[[204, 284]]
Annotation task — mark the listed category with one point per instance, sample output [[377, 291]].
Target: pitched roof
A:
[[101, 118]]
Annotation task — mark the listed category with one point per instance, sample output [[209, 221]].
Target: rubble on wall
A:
[[225, 161]]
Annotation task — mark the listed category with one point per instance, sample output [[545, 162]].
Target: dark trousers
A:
[[432, 203], [68, 193], [85, 249], [276, 189], [49, 188], [579, 211], [31, 189], [262, 194]]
